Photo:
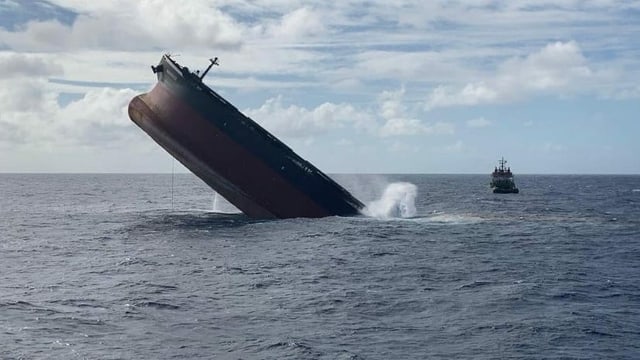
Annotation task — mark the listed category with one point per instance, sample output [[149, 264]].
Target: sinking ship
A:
[[230, 152], [502, 179]]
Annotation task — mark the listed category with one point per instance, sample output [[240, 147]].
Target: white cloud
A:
[[299, 122], [23, 88], [32, 116], [316, 43], [405, 66], [471, 94], [197, 23], [478, 123], [23, 95], [27, 65], [299, 23], [556, 67], [139, 25], [398, 122], [406, 126], [457, 53], [102, 109], [401, 126], [391, 104], [394, 114]]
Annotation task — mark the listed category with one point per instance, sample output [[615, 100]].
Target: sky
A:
[[404, 86]]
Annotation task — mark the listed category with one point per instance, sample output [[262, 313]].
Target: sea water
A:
[[142, 267]]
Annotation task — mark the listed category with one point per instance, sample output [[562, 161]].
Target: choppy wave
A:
[[105, 267]]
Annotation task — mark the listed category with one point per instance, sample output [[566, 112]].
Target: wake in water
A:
[[454, 219], [397, 201]]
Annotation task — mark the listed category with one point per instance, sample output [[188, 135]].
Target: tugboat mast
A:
[[502, 162]]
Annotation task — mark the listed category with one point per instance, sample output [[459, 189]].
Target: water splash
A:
[[397, 201], [215, 202], [222, 206]]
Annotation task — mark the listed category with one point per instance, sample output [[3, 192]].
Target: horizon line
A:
[[329, 173]]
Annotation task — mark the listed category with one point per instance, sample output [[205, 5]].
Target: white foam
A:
[[454, 219], [397, 201], [222, 206]]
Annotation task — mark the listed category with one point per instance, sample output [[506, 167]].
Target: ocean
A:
[[157, 267]]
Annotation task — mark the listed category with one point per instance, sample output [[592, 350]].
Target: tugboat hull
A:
[[505, 191], [502, 180]]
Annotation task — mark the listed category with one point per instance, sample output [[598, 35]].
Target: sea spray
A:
[[366, 188], [397, 201], [215, 202], [222, 206]]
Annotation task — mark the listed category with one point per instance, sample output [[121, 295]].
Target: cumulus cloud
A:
[[296, 24], [31, 113], [394, 113], [470, 94], [392, 119], [405, 66], [557, 66], [398, 122], [299, 122], [23, 85], [198, 23], [403, 126], [17, 95], [97, 119], [26, 65], [315, 42], [339, 49], [125, 25]]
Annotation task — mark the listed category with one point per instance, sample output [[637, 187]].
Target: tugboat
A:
[[502, 180]]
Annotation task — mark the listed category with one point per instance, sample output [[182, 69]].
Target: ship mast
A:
[[502, 162], [214, 61]]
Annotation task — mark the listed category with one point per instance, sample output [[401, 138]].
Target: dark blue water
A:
[[102, 267]]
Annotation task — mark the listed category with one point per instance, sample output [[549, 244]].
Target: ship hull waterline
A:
[[505, 191], [228, 167]]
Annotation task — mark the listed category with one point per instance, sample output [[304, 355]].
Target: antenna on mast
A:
[[502, 163], [214, 61]]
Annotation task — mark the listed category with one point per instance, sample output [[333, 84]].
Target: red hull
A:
[[226, 166]]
